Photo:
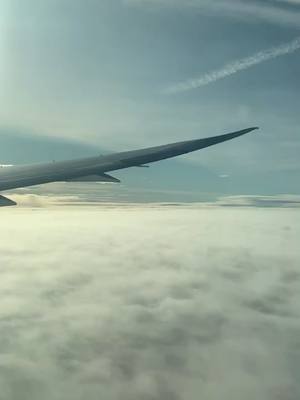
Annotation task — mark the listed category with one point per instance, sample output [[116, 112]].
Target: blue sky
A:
[[80, 77]]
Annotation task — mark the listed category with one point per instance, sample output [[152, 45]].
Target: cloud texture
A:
[[149, 304]]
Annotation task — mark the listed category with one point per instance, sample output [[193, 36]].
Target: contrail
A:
[[235, 66]]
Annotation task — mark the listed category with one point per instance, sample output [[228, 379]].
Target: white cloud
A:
[[89, 195], [149, 304], [33, 200], [279, 201]]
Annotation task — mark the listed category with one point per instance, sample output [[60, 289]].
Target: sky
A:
[[120, 303], [80, 78]]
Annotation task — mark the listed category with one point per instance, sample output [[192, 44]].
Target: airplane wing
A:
[[95, 169]]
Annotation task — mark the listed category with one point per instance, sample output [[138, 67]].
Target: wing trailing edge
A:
[[95, 178]]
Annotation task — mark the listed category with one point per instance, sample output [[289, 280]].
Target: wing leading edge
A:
[[152, 154]]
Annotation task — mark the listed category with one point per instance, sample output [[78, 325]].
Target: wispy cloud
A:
[[236, 66]]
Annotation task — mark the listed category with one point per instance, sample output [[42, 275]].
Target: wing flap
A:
[[95, 178]]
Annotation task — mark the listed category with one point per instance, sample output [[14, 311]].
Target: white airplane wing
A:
[[95, 169]]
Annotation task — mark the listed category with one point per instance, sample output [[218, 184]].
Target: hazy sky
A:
[[103, 73]]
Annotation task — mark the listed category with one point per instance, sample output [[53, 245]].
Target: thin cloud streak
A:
[[235, 66]]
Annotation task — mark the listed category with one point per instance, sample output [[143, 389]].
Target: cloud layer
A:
[[149, 304], [106, 195]]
